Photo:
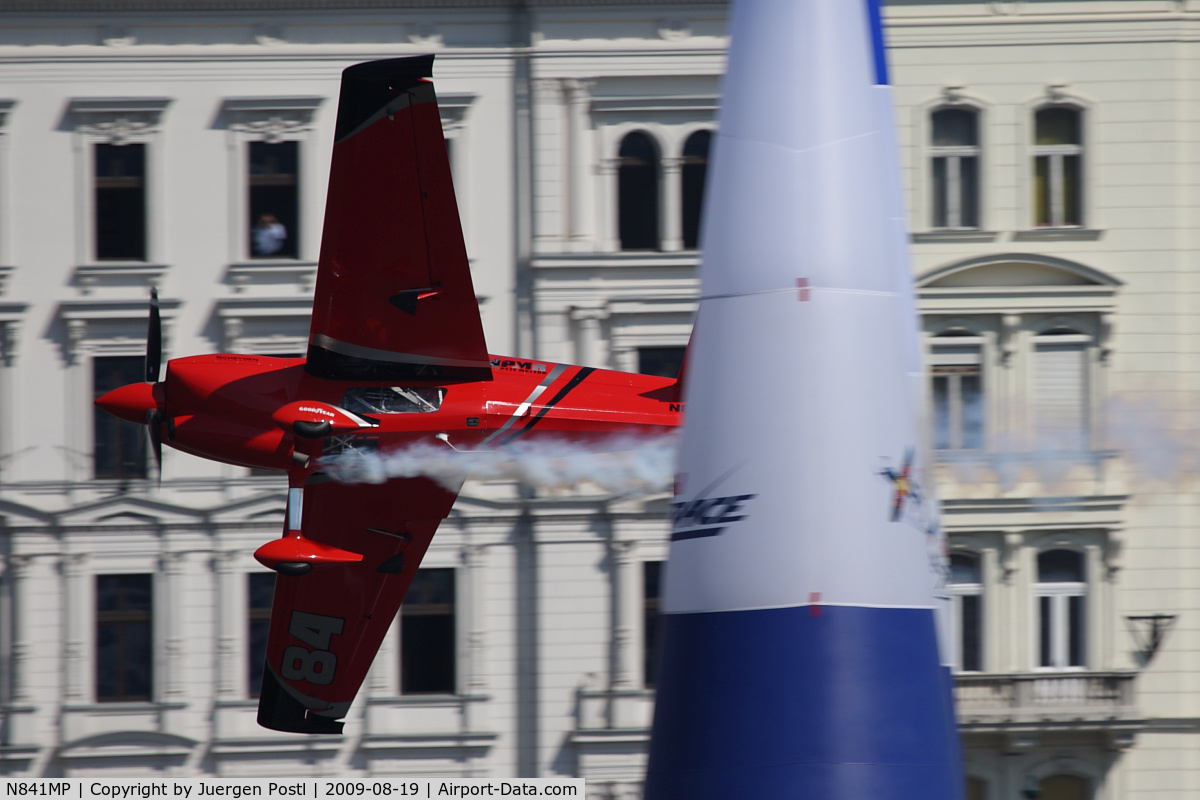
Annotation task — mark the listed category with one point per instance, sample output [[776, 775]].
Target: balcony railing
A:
[[1097, 700]]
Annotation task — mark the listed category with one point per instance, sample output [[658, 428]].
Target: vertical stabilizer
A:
[[800, 650]]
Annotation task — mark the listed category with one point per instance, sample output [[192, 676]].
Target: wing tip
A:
[[279, 711]]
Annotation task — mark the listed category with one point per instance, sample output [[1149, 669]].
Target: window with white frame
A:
[[966, 608], [117, 196], [1025, 373], [637, 192], [267, 141], [1061, 389], [954, 161], [957, 391], [1061, 597], [1058, 167], [428, 652]]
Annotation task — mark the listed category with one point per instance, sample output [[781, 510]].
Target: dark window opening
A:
[[637, 193], [955, 151], [260, 590], [274, 200], [427, 646], [1060, 566], [120, 202], [662, 361], [651, 583], [119, 448], [693, 174], [124, 657]]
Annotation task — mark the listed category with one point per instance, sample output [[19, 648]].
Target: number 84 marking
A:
[[319, 664]]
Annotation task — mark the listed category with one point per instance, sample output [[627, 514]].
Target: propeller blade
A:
[[154, 340]]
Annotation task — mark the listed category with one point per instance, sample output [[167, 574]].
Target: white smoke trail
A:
[[619, 464], [1143, 439]]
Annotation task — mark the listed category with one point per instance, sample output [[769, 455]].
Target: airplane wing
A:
[[326, 626], [394, 299]]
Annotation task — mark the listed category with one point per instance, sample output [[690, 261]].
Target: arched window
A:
[[637, 193], [1064, 787], [955, 161], [1058, 167], [1061, 591], [966, 595], [958, 408], [1060, 383], [695, 168]]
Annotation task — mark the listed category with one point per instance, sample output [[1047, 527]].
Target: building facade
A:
[[1051, 160]]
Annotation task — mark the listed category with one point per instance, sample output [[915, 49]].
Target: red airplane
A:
[[396, 356]]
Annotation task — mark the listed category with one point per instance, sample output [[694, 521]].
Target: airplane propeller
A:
[[154, 340], [154, 417]]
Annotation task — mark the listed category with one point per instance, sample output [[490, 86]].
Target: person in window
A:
[[269, 235]]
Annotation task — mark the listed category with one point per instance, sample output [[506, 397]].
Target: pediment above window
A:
[[116, 119], [272, 118], [1016, 283]]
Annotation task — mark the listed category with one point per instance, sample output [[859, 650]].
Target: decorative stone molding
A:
[[264, 325], [425, 34], [674, 29], [655, 104], [110, 327], [119, 119], [272, 118], [453, 107]]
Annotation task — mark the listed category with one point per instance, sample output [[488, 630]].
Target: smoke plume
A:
[[621, 465]]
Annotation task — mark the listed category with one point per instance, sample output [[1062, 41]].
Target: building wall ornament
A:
[[117, 120], [270, 118]]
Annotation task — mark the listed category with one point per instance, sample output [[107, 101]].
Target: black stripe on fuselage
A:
[[563, 392]]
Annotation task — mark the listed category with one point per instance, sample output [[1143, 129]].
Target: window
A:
[[957, 391], [955, 163], [1058, 167], [1061, 389], [637, 193], [651, 582], [260, 590], [1063, 787], [119, 446], [966, 610], [694, 171], [120, 202], [1061, 596], [392, 399], [124, 665], [427, 648], [662, 361], [274, 191]]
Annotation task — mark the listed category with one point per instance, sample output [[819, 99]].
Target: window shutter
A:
[[1061, 394]]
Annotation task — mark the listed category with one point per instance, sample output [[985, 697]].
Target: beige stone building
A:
[[1052, 162]]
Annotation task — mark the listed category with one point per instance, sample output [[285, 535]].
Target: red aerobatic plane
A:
[[396, 356]]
